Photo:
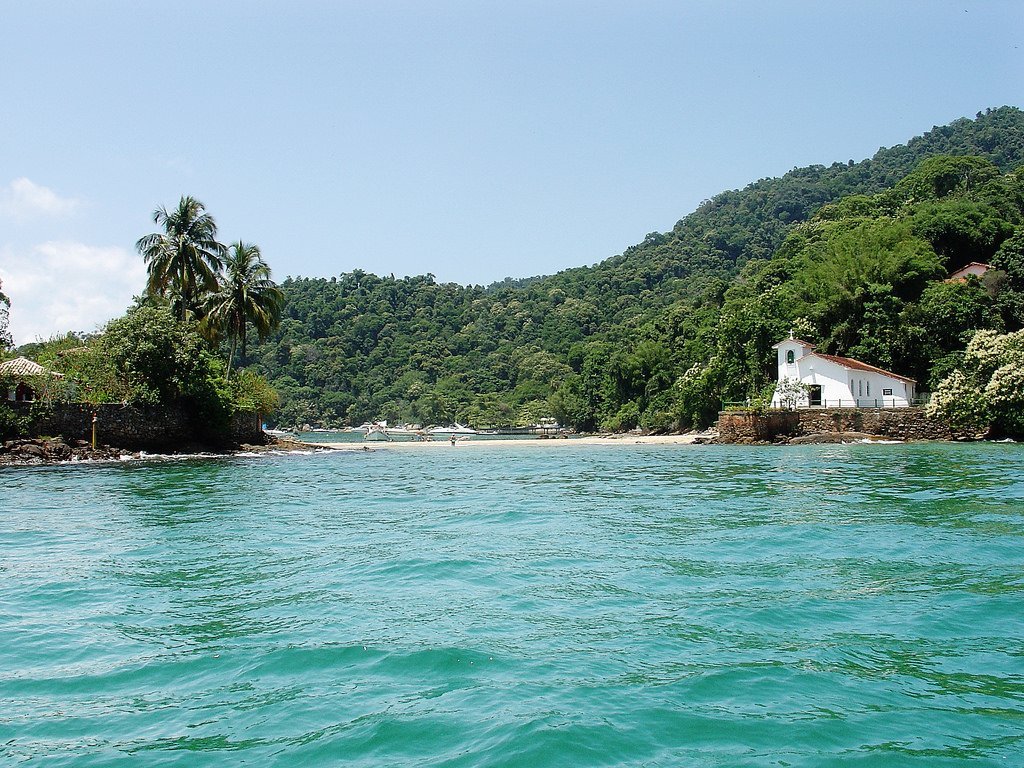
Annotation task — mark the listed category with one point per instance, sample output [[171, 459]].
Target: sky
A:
[[473, 140]]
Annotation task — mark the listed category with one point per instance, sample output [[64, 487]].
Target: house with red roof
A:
[[810, 379], [974, 269]]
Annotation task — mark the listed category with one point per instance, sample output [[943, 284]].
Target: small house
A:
[[974, 269], [810, 379], [21, 379]]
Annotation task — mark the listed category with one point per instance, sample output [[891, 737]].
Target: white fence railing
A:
[[861, 402]]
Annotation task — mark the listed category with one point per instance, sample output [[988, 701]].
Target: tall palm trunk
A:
[[231, 356]]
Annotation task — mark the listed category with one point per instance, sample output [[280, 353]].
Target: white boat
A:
[[455, 429], [377, 430], [407, 430]]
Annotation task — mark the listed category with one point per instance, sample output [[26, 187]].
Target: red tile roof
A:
[[857, 365], [960, 276]]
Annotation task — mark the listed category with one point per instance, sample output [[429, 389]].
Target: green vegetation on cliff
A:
[[852, 255]]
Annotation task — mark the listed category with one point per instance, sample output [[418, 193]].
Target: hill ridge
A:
[[611, 343]]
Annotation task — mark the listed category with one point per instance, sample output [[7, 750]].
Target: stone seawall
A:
[[132, 427], [777, 426]]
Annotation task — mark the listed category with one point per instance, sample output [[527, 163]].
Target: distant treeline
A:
[[852, 256]]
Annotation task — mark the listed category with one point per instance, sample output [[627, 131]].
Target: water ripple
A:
[[624, 605]]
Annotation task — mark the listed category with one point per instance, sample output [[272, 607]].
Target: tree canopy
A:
[[246, 295], [986, 392], [854, 255], [183, 260]]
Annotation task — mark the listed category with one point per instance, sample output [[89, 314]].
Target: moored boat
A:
[[455, 429], [377, 431]]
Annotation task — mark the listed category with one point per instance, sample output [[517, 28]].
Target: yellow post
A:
[[94, 431]]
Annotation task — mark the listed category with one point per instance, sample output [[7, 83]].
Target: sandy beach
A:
[[554, 442]]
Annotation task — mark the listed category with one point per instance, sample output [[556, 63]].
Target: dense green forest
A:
[[853, 255]]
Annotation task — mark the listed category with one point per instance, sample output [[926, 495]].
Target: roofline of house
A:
[[859, 366], [797, 341]]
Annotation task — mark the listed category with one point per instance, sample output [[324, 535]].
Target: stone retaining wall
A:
[[892, 423], [136, 428]]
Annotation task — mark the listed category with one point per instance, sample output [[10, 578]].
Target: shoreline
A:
[[43, 452], [690, 438], [50, 452]]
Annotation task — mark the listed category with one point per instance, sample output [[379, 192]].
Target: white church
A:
[[829, 381]]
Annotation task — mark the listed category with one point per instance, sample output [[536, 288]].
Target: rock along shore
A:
[[22, 452], [29, 451]]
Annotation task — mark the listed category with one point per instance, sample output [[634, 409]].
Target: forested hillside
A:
[[851, 254]]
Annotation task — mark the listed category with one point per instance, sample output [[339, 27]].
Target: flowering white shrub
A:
[[990, 392], [804, 329], [960, 403], [692, 374], [989, 350], [1005, 394], [791, 392]]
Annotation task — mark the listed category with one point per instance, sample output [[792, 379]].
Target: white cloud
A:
[[58, 287], [23, 199]]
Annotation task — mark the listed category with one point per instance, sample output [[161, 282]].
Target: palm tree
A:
[[246, 295], [183, 261]]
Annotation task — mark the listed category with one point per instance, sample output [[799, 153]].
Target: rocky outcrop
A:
[[53, 450]]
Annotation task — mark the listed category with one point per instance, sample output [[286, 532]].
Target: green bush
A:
[[160, 359], [11, 424], [627, 418], [252, 392]]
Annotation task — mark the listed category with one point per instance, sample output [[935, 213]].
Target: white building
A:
[[829, 381]]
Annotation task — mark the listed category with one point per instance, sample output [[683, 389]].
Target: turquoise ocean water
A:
[[523, 605]]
